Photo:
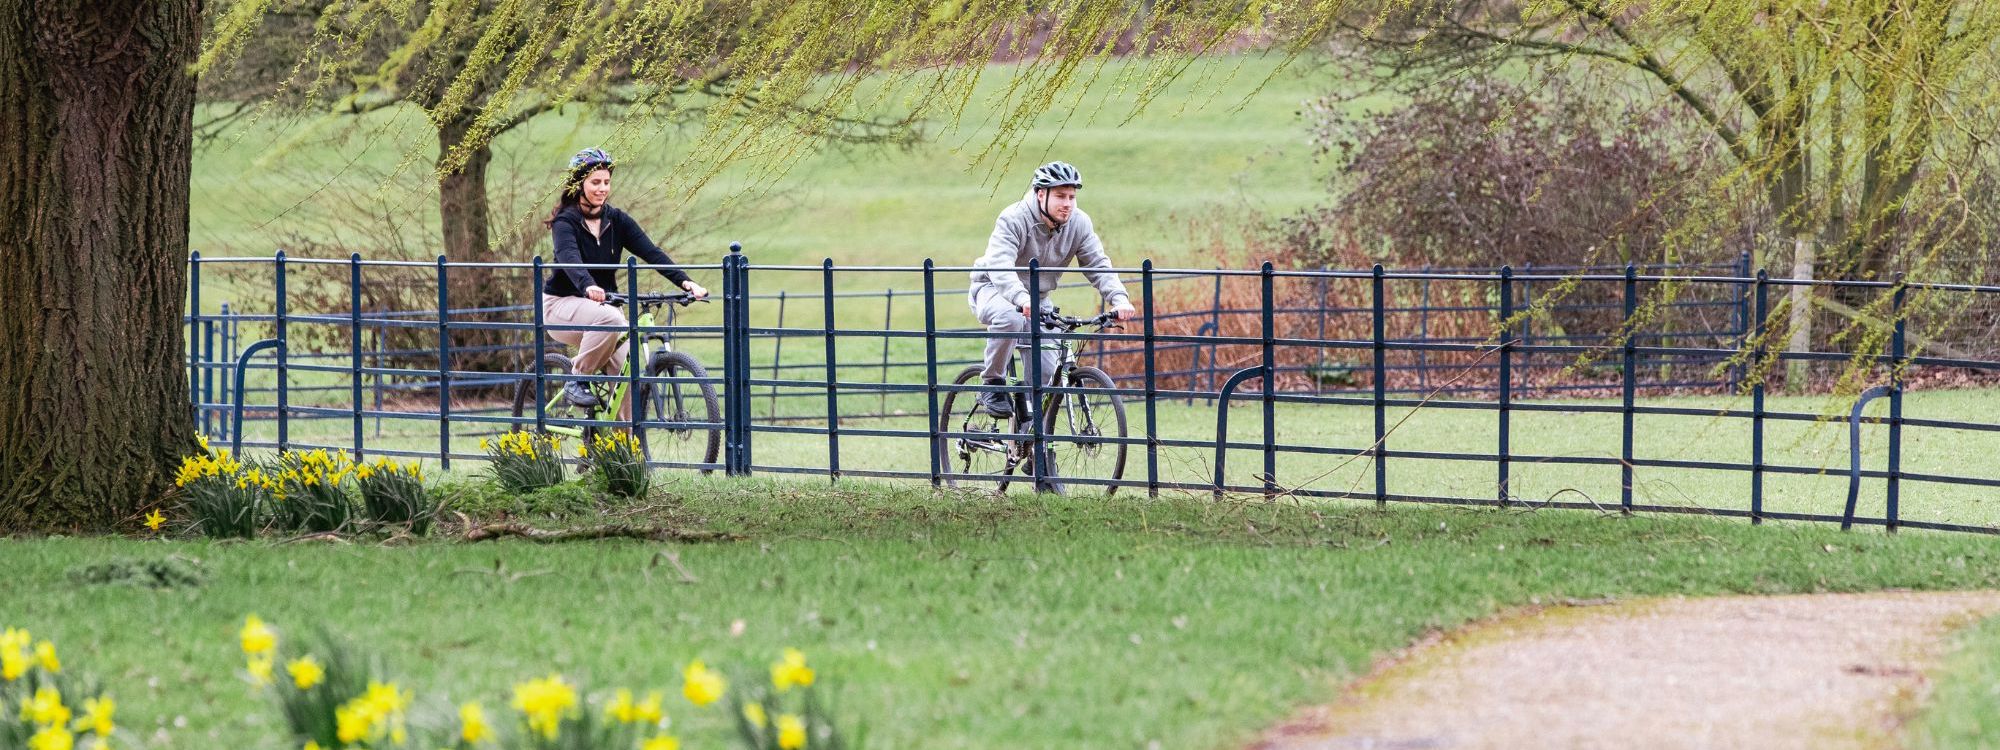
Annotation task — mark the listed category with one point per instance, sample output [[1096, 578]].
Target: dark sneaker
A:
[[1000, 405], [579, 395]]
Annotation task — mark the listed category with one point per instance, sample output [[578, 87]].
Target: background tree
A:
[[1857, 123]]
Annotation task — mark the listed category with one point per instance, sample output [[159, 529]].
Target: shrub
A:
[[524, 461]]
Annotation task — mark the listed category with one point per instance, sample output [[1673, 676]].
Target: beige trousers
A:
[[597, 352]]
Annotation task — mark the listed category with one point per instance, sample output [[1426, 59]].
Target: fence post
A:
[[1896, 364], [1757, 402], [632, 341], [354, 349], [1034, 406], [832, 372], [1630, 363], [731, 447], [1152, 412], [1506, 374], [1270, 382], [1381, 448], [930, 372], [541, 353], [194, 333], [444, 365], [284, 373]]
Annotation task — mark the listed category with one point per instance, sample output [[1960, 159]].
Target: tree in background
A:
[[1859, 124]]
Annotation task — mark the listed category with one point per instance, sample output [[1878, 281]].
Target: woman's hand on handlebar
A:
[[696, 290], [595, 293]]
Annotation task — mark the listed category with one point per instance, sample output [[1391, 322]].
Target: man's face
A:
[[1060, 202]]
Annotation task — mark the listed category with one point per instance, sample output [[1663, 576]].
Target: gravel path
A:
[[1815, 671]]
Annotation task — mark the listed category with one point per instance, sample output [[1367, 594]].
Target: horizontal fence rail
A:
[[1350, 363]]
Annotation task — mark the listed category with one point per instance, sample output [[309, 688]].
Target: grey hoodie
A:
[[1019, 236]]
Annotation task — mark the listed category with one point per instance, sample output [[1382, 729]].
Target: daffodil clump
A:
[[789, 713], [222, 496], [333, 700], [525, 461], [393, 494], [617, 460], [313, 494], [41, 708]]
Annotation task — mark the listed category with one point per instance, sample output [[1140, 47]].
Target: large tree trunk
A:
[[98, 108]]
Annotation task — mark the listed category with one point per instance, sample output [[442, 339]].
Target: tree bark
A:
[[462, 196], [97, 107]]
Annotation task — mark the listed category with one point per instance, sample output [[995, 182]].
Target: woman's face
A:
[[597, 188]]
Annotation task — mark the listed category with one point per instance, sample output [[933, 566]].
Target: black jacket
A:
[[575, 244]]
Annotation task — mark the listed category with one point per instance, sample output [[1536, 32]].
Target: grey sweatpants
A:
[[1001, 317]]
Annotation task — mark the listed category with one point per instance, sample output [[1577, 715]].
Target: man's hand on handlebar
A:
[[1124, 310]]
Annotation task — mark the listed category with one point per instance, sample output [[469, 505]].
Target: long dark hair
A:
[[572, 193]]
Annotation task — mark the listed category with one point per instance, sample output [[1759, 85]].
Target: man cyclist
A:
[[586, 228], [1045, 225]]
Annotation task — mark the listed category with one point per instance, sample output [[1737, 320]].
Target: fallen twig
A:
[[607, 531]]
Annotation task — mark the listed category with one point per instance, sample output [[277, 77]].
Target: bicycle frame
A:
[[619, 394]]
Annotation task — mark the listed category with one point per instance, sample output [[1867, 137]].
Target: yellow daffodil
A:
[[311, 745], [45, 708], [45, 655], [754, 713], [15, 639], [791, 670], [544, 702], [13, 664], [260, 669], [306, 672], [52, 738], [154, 519], [257, 637], [662, 742], [702, 685], [97, 716], [472, 725], [791, 732]]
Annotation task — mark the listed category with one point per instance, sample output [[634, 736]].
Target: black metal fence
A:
[[1653, 340]]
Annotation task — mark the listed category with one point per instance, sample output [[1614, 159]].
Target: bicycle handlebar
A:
[[648, 299], [1104, 321]]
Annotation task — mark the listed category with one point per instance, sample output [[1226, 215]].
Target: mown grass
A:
[[949, 620], [1966, 688]]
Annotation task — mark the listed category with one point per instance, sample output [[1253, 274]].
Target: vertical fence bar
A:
[[1757, 400], [207, 378], [1737, 373], [832, 372], [632, 341], [1152, 383], [1525, 335], [444, 365], [380, 383], [1896, 363], [194, 333], [888, 323], [1215, 329], [1319, 303], [930, 372], [777, 352], [1034, 407], [354, 349], [228, 361], [284, 373], [1381, 447], [1506, 376], [1630, 364], [1270, 379], [541, 353]]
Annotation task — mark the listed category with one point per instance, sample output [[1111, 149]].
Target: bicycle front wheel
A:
[[694, 435], [1077, 425]]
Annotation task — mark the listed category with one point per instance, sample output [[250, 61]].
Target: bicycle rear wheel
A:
[[992, 457]]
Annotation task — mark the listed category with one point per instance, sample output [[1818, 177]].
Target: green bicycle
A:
[[693, 434]]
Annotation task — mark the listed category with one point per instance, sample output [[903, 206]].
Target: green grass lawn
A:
[[948, 621]]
